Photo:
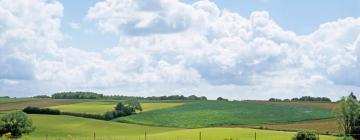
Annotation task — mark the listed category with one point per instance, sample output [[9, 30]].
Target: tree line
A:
[[302, 99], [92, 95]]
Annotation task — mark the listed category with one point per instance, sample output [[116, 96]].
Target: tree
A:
[[221, 99], [352, 95], [347, 115], [120, 108], [16, 124], [133, 104]]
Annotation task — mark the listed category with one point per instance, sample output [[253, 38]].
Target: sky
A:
[[244, 49]]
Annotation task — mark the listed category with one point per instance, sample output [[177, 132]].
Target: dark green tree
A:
[[221, 99], [120, 108], [134, 105], [347, 115], [352, 95], [16, 123]]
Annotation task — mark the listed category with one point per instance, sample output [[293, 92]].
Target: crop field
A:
[[322, 126], [18, 105], [213, 113], [307, 104], [67, 127], [172, 120], [12, 100], [100, 107]]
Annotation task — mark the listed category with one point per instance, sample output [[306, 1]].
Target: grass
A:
[[157, 106], [100, 107], [87, 107], [67, 127], [322, 126], [178, 117], [18, 105], [214, 113]]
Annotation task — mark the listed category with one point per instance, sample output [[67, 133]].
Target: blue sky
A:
[[302, 17], [245, 49]]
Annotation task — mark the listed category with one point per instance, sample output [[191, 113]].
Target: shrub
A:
[[85, 115], [113, 114], [37, 110], [126, 110], [305, 135], [15, 124]]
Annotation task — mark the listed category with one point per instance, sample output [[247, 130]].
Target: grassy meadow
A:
[[67, 127], [98, 107], [172, 120]]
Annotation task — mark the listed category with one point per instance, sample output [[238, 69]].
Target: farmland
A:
[[322, 126], [171, 120], [67, 126], [18, 104], [213, 113], [100, 107]]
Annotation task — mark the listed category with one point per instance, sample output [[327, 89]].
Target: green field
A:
[[213, 113], [215, 120], [101, 107], [68, 127]]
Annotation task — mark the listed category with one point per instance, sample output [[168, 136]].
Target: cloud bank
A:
[[171, 47]]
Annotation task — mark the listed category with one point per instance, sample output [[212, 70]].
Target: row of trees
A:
[[41, 96], [302, 99], [176, 97], [37, 110], [77, 95], [92, 95]]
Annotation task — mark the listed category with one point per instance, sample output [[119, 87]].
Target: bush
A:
[[85, 115], [15, 124], [114, 114], [126, 110], [37, 110], [305, 135]]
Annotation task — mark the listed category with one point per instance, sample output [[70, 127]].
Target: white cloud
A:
[[74, 25], [167, 46]]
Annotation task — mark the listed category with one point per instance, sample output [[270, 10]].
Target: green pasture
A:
[[100, 107], [215, 113], [58, 127]]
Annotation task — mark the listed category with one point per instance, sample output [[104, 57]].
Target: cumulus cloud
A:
[[74, 25], [167, 46], [24, 37], [137, 17], [225, 48]]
